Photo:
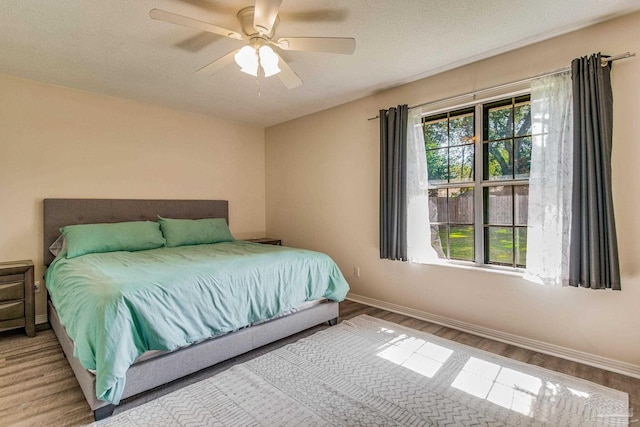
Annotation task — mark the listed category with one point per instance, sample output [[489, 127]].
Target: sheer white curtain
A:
[[550, 182], [418, 230]]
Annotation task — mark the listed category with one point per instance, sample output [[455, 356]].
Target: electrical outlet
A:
[[36, 286]]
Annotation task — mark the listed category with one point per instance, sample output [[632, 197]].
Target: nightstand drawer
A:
[[17, 299], [11, 291], [12, 310]]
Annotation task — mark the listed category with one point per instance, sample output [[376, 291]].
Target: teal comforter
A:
[[115, 306]]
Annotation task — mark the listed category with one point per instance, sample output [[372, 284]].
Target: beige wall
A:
[[322, 193], [57, 142]]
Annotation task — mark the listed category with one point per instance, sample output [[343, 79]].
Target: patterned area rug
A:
[[369, 372]]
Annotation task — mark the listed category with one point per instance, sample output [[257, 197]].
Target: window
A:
[[480, 217]]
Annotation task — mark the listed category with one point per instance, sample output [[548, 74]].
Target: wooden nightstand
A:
[[17, 296], [266, 241]]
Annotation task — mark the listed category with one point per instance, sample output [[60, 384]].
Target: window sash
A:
[[480, 109]]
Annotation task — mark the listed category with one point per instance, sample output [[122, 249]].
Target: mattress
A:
[[118, 306]]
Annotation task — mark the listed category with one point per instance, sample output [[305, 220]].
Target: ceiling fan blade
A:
[[163, 15], [218, 64], [287, 76], [265, 14], [342, 45]]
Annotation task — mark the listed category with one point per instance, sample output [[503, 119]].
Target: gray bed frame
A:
[[166, 367]]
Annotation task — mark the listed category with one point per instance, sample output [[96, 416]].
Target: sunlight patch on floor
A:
[[506, 387], [420, 356], [487, 379]]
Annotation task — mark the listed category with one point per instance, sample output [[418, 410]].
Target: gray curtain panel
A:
[[593, 249], [393, 187]]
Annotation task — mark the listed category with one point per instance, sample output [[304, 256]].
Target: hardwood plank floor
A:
[[37, 386]]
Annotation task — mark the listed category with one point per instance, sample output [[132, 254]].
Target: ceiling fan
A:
[[258, 25]]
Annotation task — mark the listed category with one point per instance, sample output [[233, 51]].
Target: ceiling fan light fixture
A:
[[269, 61], [247, 59], [250, 59]]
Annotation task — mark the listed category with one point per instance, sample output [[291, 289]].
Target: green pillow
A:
[[179, 232], [118, 236]]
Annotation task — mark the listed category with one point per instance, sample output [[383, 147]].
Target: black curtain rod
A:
[[605, 61]]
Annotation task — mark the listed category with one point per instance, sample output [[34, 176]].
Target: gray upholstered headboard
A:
[[61, 212]]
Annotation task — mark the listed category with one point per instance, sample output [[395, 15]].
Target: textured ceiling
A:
[[113, 47]]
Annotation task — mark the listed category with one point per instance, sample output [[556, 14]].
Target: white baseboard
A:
[[612, 365], [41, 318]]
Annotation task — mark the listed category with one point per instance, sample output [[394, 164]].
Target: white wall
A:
[[57, 142], [322, 193]]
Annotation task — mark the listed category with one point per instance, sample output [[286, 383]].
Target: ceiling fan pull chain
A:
[[260, 73]]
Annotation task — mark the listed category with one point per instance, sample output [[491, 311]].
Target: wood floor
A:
[[37, 386]]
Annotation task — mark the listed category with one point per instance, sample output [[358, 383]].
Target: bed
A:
[[267, 321]]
